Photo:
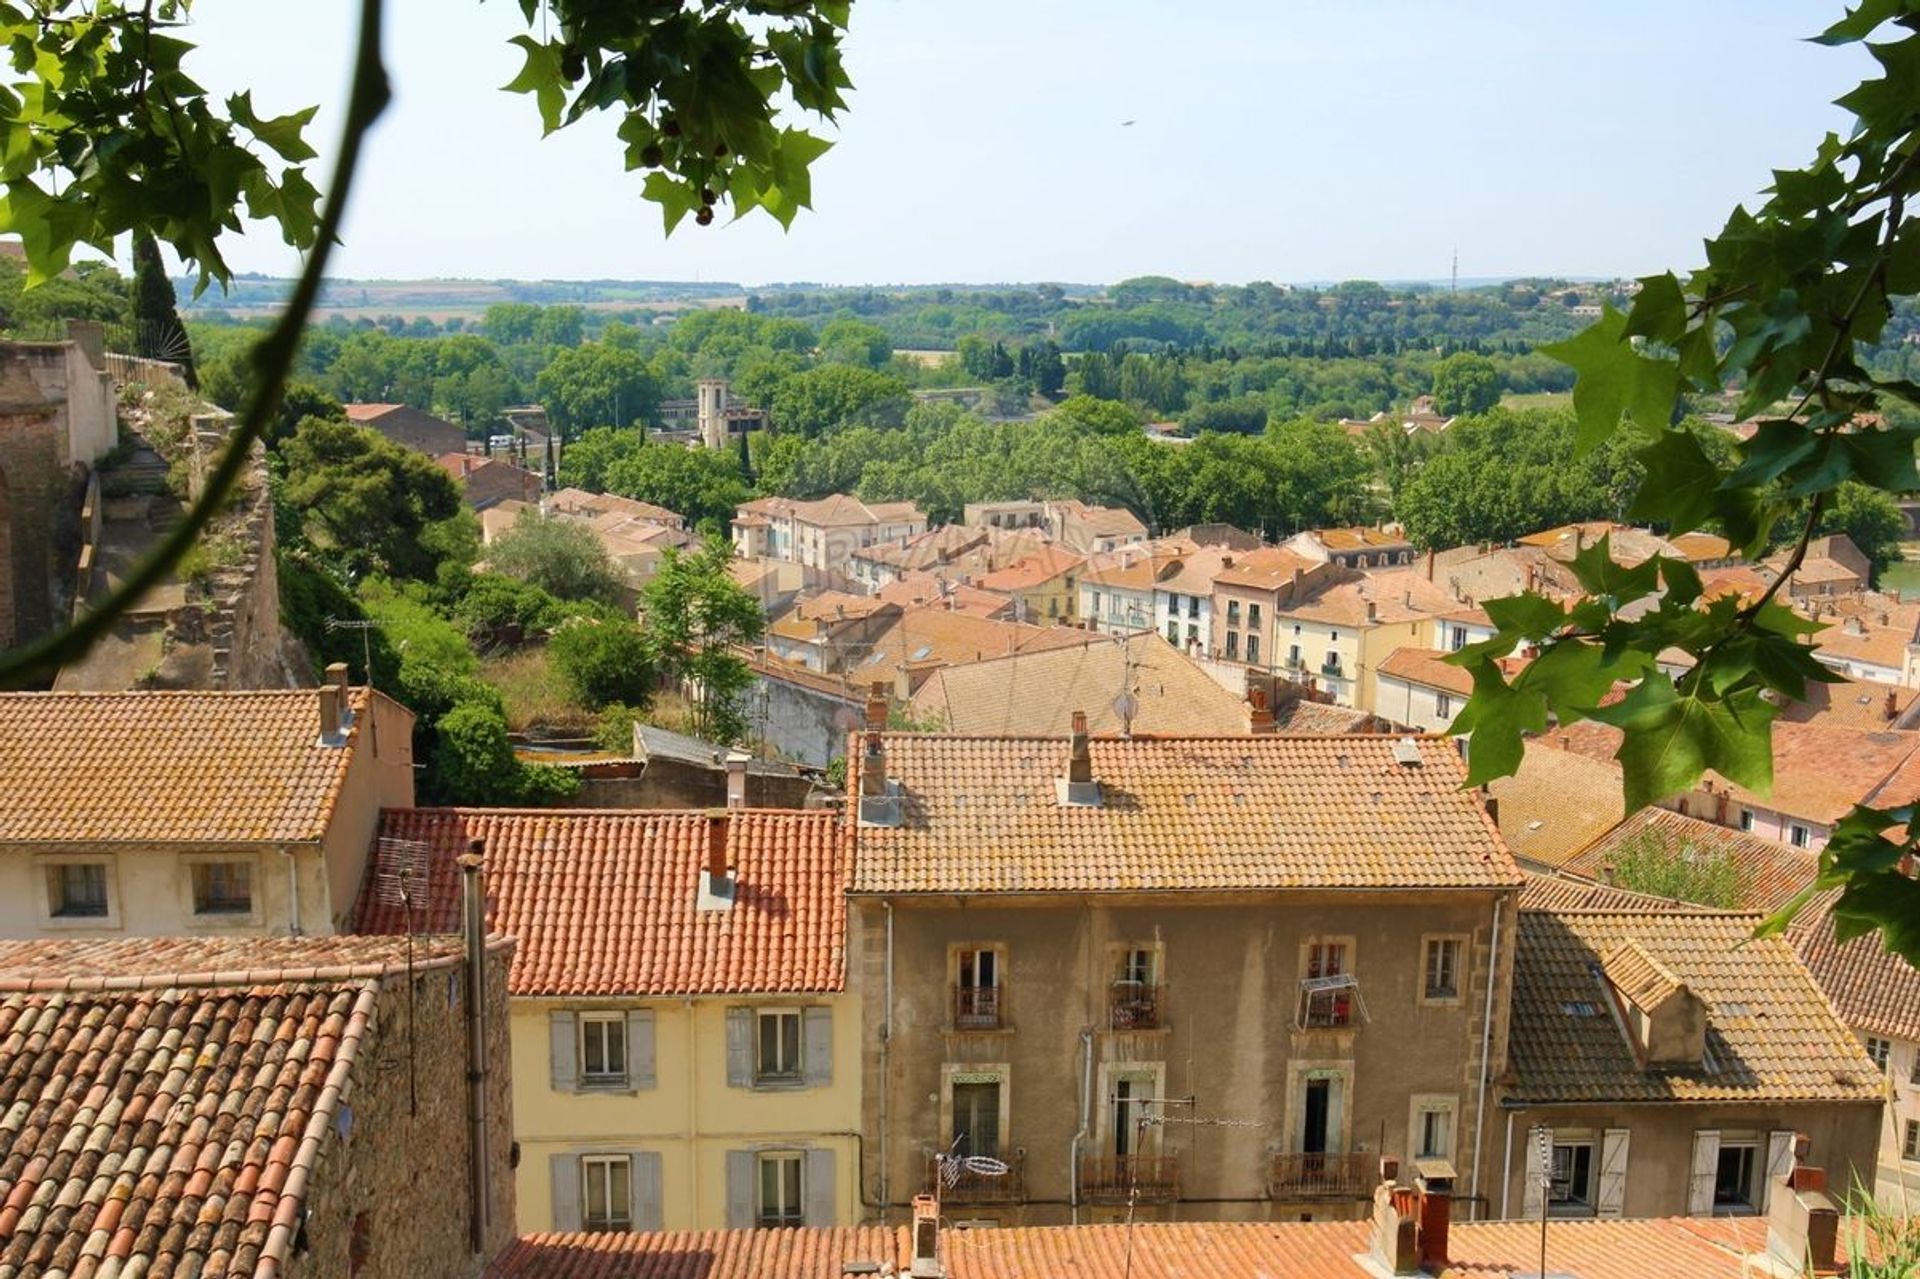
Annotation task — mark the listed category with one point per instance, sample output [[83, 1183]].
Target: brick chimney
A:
[[879, 804], [1373, 612], [737, 762], [1433, 1214], [329, 698], [1078, 789], [716, 882], [926, 1239], [337, 676], [1259, 715]]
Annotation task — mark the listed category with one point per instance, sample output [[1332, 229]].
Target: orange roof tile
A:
[[368, 412], [930, 636], [1404, 595], [1562, 891], [1043, 566], [604, 902], [1355, 538], [1685, 1248], [1771, 1034], [1770, 872], [1179, 813], [169, 767], [1265, 569], [1558, 803], [1859, 639], [1873, 989], [1428, 668]]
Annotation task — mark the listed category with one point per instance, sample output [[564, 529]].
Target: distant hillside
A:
[[255, 295]]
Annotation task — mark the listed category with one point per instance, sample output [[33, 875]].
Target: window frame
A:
[[1571, 1205], [610, 1223], [617, 1021], [787, 1215], [1419, 1107], [1428, 995], [1755, 1161], [190, 864], [794, 1073], [48, 866], [1910, 1143], [1253, 648], [1443, 706], [1880, 1052], [1799, 836], [1315, 951]]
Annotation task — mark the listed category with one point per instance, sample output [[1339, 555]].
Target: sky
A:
[[986, 141]]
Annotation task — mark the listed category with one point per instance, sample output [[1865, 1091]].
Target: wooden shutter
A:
[[1613, 1173], [1706, 1165], [816, 1046], [740, 1049], [1535, 1176], [640, 1070], [564, 1052], [565, 1175], [818, 1188], [741, 1170], [644, 1186], [1779, 1162]]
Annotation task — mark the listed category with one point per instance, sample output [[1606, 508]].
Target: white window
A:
[[1096, 602], [1879, 1049], [1442, 706], [1233, 646], [77, 890], [976, 992], [1733, 1178], [778, 1200], [1798, 835], [222, 887], [1910, 1147], [1442, 968], [1457, 638], [1328, 994], [606, 1196], [1433, 1130], [1570, 1184], [603, 1049], [1253, 649], [777, 1049], [1746, 819]]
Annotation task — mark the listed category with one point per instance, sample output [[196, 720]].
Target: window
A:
[[1326, 958], [1443, 706], [1293, 655], [1132, 1103], [777, 1046], [1193, 606], [606, 1192], [1173, 633], [1910, 1146], [1135, 998], [1173, 605], [77, 890], [1327, 989], [1442, 968], [1253, 650], [1096, 603], [976, 1116], [603, 1049], [1746, 819], [976, 1004], [1233, 612], [1798, 835], [1432, 1129], [1879, 1049], [1233, 646], [1570, 1186], [779, 1202], [1733, 1177], [1253, 616], [1456, 638], [1332, 666], [222, 888], [1193, 635], [1913, 1076]]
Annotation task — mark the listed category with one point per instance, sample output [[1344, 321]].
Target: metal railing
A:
[[962, 1185], [1321, 1176], [1117, 1178], [1133, 1005], [978, 1007]]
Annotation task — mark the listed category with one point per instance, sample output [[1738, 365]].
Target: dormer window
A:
[[1666, 1021]]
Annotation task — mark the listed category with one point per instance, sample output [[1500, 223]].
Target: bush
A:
[[561, 557], [493, 603], [605, 662], [614, 729], [473, 763]]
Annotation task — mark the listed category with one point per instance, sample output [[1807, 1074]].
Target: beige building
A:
[[1248, 596], [144, 814], [1357, 547], [1215, 976], [1335, 638], [685, 1054], [823, 534], [1662, 1062]]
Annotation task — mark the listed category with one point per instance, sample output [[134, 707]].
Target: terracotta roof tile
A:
[[604, 902], [1428, 668], [1557, 803], [1562, 891], [1770, 872], [1302, 717], [1043, 566], [1771, 1034], [169, 767], [1852, 703], [1874, 990], [931, 636], [981, 815], [368, 412], [1403, 595], [1266, 569]]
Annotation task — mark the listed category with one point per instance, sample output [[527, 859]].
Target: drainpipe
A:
[[886, 1082], [1506, 1169], [475, 926], [1486, 1061], [293, 892], [693, 1115], [1086, 1103]]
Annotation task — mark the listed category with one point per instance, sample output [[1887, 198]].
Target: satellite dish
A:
[[985, 1166], [1126, 706]]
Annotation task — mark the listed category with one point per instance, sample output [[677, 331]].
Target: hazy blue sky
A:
[[1272, 140]]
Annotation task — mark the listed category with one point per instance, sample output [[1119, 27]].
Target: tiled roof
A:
[[1131, 568], [1858, 639], [1687, 1248], [1403, 595], [1698, 546], [981, 815], [1874, 990], [154, 1125], [1043, 566], [1038, 692], [1301, 716], [604, 902], [1101, 521], [1355, 539], [1771, 1034], [1852, 703], [169, 767], [930, 549], [63, 963], [368, 412], [1267, 569], [1557, 803], [1194, 572], [931, 636], [1641, 979], [1428, 668], [1770, 872], [839, 510], [924, 588], [1561, 891]]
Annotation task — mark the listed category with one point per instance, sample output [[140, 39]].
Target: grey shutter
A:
[[818, 1188], [564, 1052], [1531, 1183], [566, 1192], [1706, 1166], [640, 1048], [816, 1040], [740, 1048], [741, 1167], [644, 1186], [1611, 1202]]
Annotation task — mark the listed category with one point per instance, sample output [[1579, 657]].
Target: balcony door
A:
[[1314, 1121], [1132, 1097], [976, 1119]]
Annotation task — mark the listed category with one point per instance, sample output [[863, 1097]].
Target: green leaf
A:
[[1861, 21], [1527, 615], [673, 196], [282, 133], [1884, 458], [1683, 483], [542, 77], [1670, 739], [1498, 716], [1659, 310], [1777, 444], [1600, 574], [1613, 381]]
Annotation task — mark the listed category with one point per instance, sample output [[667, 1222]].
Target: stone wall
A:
[[667, 783], [389, 1194], [799, 722]]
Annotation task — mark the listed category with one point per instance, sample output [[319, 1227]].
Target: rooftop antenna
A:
[[950, 1166], [366, 628], [400, 879], [1453, 283]]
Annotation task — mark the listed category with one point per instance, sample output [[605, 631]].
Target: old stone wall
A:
[[669, 784], [801, 723], [389, 1194]]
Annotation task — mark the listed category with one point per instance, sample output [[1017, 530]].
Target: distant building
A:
[[823, 534], [486, 481], [410, 427], [717, 420], [1352, 547], [1093, 529], [1044, 587]]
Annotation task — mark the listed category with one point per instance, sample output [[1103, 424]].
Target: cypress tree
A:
[[157, 331]]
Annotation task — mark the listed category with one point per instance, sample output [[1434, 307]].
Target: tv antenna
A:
[[400, 879], [366, 628], [950, 1165], [1453, 281]]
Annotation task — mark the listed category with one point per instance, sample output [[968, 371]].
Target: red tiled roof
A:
[[1561, 891], [368, 412], [1428, 668], [1686, 1248], [603, 902], [1874, 990], [1041, 567], [1179, 813], [169, 767], [1770, 872]]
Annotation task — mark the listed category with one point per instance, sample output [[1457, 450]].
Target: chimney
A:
[[330, 734], [337, 676], [1259, 715], [737, 779], [926, 1239], [1433, 1213], [1078, 789], [1373, 612], [1429, 565], [473, 921], [879, 805], [1893, 704], [1803, 1225], [1606, 872], [716, 884]]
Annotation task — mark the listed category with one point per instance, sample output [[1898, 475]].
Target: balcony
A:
[[1322, 1176], [964, 1186], [1133, 1005], [1332, 670], [978, 1007], [1330, 1003], [1118, 1178]]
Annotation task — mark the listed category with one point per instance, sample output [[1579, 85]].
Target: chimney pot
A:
[[337, 676], [876, 716], [737, 779], [1259, 714], [329, 696]]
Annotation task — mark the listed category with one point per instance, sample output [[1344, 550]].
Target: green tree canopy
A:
[[1465, 382], [695, 618], [364, 499], [598, 385], [561, 557], [835, 395], [703, 485]]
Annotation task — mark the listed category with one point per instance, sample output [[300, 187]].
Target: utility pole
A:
[[1453, 283]]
